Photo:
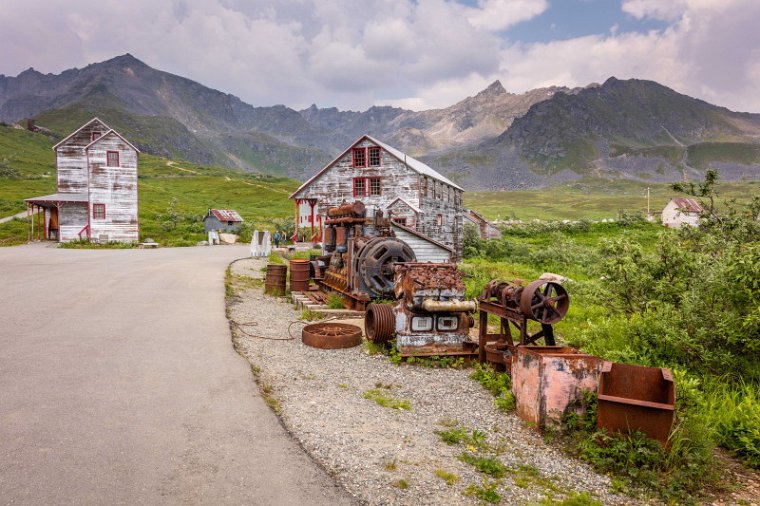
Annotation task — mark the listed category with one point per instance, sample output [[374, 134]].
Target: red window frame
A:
[[360, 186], [373, 156], [359, 156], [374, 186], [98, 211], [109, 158], [94, 136]]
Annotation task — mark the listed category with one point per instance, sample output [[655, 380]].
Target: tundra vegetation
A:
[[686, 299]]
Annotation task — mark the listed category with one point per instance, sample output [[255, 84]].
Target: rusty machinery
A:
[[430, 317], [542, 301], [361, 252]]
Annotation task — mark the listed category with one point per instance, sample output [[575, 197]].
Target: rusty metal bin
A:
[[549, 381], [634, 397]]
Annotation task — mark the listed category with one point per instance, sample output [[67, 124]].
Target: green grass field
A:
[[588, 199], [174, 195]]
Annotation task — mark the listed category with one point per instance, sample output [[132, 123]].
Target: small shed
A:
[[222, 220], [681, 211], [485, 229]]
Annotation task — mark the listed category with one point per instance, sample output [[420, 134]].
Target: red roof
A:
[[226, 215], [687, 205]]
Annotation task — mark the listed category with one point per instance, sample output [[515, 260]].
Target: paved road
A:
[[119, 385], [9, 218]]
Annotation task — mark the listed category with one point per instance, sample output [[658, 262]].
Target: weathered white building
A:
[[681, 211], [97, 189], [419, 199]]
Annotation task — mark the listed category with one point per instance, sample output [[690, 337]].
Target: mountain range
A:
[[494, 140]]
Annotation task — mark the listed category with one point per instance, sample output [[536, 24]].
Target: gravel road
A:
[[393, 456]]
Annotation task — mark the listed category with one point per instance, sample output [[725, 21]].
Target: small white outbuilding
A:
[[681, 211]]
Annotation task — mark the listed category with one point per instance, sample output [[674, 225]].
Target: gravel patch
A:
[[393, 456]]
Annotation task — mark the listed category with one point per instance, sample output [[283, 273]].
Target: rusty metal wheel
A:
[[544, 301], [374, 262], [379, 323], [331, 336]]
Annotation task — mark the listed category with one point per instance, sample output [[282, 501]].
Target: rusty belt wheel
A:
[[379, 323], [544, 301], [331, 336]]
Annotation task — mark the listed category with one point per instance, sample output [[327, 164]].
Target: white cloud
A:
[[498, 15], [420, 53]]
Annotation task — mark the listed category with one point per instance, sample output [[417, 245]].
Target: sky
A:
[[416, 54]]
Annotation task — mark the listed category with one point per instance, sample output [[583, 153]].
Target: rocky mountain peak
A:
[[494, 89]]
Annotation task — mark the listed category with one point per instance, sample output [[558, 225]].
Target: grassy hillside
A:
[[173, 196], [588, 199]]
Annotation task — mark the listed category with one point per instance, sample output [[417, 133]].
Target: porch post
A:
[[295, 233], [31, 222], [311, 219]]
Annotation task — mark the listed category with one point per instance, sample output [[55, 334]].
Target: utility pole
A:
[[648, 213]]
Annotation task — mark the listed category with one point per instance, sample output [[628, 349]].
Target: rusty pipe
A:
[[449, 306], [355, 208]]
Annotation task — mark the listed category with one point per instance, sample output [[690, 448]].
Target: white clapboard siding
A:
[[424, 250]]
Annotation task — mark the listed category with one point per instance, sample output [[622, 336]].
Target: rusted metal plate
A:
[[226, 215], [633, 397], [549, 381], [331, 336]]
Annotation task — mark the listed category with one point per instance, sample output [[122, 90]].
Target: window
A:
[[112, 158], [94, 136], [439, 220], [359, 186], [424, 184], [367, 186], [374, 186], [374, 156], [400, 221], [360, 159], [98, 211]]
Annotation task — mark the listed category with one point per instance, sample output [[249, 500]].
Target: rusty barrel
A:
[[299, 275], [274, 283]]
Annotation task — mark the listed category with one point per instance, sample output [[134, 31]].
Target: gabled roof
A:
[[224, 214], [686, 205], [408, 204], [474, 215], [117, 134], [410, 162], [72, 134]]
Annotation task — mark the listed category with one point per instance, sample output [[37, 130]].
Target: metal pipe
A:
[[449, 306]]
